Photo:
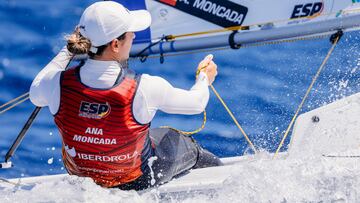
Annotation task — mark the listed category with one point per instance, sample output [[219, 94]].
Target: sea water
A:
[[262, 86]]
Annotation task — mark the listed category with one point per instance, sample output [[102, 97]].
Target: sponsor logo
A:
[[92, 157], [71, 151], [94, 110], [220, 12], [307, 10]]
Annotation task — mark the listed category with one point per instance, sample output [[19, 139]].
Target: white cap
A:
[[104, 21]]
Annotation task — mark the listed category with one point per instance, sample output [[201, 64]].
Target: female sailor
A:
[[103, 109]]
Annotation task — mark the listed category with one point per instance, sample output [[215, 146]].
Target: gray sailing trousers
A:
[[174, 155]]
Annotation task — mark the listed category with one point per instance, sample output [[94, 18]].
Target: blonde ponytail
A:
[[78, 44]]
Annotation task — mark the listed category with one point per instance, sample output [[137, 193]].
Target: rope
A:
[[336, 40], [204, 119], [14, 102], [189, 132], [233, 28], [144, 57], [233, 117]]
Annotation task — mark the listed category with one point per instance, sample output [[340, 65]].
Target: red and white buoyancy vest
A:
[[101, 138]]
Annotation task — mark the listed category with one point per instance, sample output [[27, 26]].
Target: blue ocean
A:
[[262, 86]]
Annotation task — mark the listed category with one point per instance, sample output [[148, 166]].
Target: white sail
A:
[[263, 20], [215, 14]]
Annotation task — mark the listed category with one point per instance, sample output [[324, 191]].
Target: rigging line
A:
[[245, 27], [234, 119], [189, 132], [144, 57], [233, 28], [26, 95], [204, 119], [14, 100], [187, 52], [335, 42], [14, 105]]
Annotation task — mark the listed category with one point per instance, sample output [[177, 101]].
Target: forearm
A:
[[193, 101]]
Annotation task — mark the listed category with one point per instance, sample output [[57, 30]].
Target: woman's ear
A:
[[115, 45]]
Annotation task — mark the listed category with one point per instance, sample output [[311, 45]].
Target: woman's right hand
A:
[[209, 68]]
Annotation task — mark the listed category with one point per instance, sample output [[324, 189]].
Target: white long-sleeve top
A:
[[154, 93]]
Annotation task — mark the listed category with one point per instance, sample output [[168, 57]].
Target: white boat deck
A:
[[325, 137]]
